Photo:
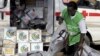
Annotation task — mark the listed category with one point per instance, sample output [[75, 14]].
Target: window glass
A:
[[94, 4], [28, 14], [33, 14]]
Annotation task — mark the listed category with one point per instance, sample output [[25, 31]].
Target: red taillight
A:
[[7, 12], [57, 13]]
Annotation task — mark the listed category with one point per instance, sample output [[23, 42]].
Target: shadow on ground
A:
[[97, 47]]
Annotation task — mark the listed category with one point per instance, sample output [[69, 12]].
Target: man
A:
[[76, 27]]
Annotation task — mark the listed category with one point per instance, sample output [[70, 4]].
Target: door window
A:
[[94, 4]]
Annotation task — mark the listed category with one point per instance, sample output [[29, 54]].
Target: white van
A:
[[4, 13], [92, 17]]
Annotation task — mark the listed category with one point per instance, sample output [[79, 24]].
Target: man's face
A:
[[71, 11]]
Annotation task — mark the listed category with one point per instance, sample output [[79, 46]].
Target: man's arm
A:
[[81, 40], [60, 19], [83, 30]]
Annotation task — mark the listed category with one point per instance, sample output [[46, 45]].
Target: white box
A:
[[23, 47], [8, 51], [22, 36], [8, 43], [10, 34], [35, 35], [37, 46]]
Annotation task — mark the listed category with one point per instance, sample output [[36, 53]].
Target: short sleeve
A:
[[82, 26]]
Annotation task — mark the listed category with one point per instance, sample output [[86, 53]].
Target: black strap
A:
[[65, 39]]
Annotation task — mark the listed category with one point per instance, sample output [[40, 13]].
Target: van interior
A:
[[36, 10]]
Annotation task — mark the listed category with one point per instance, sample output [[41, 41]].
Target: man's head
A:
[[72, 8]]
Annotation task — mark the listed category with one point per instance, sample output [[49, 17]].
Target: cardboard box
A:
[[37, 46], [8, 43], [23, 47], [8, 51], [35, 36], [10, 34], [22, 36]]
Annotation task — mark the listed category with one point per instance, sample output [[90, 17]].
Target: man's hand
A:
[[60, 19], [81, 41], [80, 46]]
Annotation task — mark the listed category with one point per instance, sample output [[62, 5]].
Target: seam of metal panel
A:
[[53, 15]]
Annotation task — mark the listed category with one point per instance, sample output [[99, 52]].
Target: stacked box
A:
[[36, 40], [29, 40], [23, 41], [9, 41]]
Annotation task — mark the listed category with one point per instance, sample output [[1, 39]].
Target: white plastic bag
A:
[[88, 51], [57, 43]]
